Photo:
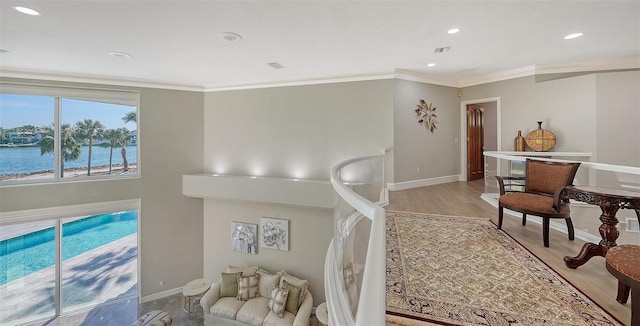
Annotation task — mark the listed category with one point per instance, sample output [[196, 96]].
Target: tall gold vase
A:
[[519, 143]]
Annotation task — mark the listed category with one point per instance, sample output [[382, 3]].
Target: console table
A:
[[610, 201]]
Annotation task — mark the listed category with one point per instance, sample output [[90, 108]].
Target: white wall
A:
[[567, 107], [435, 154], [291, 132], [296, 132], [310, 231]]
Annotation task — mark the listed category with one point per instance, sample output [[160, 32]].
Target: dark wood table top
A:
[[609, 192]]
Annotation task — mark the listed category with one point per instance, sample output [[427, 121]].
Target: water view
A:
[[14, 160]]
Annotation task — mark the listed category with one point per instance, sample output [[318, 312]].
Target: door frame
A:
[[463, 131]]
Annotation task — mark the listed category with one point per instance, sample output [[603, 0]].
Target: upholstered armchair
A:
[[541, 194]]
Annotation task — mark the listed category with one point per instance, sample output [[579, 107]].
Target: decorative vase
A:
[[541, 140], [519, 143]]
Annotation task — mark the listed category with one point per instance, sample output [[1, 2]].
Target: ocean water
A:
[[28, 159]]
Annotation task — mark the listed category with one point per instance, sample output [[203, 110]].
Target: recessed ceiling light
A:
[[231, 37], [572, 36], [453, 30], [27, 11], [431, 65], [119, 54]]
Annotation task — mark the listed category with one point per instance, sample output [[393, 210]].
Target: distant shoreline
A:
[[116, 169]]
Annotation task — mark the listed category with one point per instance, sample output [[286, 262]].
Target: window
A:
[[51, 267], [48, 134]]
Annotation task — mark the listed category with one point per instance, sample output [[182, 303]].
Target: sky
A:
[[19, 110]]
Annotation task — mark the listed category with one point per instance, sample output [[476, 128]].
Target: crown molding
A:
[[402, 74], [409, 75], [299, 82], [498, 76], [95, 79], [615, 64]]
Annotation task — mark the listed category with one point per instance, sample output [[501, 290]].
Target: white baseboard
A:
[[422, 182], [160, 295], [582, 235]]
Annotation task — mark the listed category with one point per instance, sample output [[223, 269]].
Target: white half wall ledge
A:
[[302, 193], [422, 182]]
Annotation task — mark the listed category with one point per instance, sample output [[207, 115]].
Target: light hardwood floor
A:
[[463, 199]]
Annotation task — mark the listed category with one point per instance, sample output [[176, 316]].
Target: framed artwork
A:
[[244, 237], [275, 233]]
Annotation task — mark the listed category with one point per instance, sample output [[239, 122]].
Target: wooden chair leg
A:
[[635, 307], [570, 230], [623, 292], [500, 216], [545, 231], [524, 219]]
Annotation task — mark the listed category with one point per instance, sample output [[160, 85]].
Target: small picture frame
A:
[[244, 237], [275, 233]]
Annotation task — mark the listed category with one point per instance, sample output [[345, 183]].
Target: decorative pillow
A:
[[293, 298], [229, 285], [248, 287], [266, 282], [278, 300], [246, 271], [300, 284]]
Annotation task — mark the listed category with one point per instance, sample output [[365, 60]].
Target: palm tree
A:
[[70, 148], [129, 117], [88, 130], [116, 137]]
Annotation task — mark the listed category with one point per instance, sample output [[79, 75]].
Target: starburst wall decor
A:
[[426, 114]]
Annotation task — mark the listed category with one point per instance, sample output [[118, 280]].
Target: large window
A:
[[53, 267], [49, 134]]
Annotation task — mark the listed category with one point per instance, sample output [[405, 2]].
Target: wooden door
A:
[[475, 142]]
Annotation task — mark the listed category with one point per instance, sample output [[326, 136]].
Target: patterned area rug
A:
[[463, 271]]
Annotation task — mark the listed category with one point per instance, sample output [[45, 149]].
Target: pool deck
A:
[[16, 230], [102, 274]]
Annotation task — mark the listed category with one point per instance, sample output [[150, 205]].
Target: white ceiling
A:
[[181, 42]]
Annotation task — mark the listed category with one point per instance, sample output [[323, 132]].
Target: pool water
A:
[[23, 255]]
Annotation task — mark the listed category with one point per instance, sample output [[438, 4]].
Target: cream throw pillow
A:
[[229, 284], [300, 284], [246, 271], [248, 287], [266, 282], [278, 300]]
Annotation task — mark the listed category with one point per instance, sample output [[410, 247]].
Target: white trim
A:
[[93, 79], [463, 131], [302, 82], [160, 295], [420, 78], [602, 65], [39, 214], [422, 182], [618, 64], [285, 191], [498, 76], [107, 95]]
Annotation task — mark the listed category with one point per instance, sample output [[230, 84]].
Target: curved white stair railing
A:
[[355, 278]]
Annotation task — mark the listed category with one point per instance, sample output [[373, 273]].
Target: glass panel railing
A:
[[354, 271], [585, 216]]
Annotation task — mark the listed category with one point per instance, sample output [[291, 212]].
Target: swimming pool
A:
[[23, 255]]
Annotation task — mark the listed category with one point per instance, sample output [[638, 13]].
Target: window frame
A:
[[103, 95]]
